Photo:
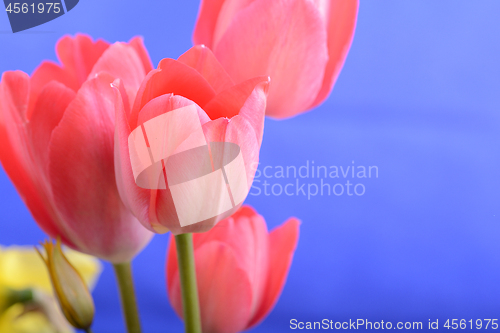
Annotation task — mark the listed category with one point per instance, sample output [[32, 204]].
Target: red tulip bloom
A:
[[56, 144], [241, 270], [300, 44], [186, 150]]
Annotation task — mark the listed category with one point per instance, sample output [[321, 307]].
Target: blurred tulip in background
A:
[[300, 44]]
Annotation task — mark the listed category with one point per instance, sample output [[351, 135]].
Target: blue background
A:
[[418, 97]]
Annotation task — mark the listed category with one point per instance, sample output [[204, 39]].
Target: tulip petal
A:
[[172, 77], [206, 22], [246, 233], [81, 171], [135, 198], [49, 109], [43, 74], [122, 61], [224, 290], [270, 38], [153, 207], [172, 267], [226, 16], [248, 99], [203, 60], [245, 130], [138, 44], [14, 153], [166, 103], [324, 7], [162, 210], [79, 54], [15, 97], [239, 131], [341, 26], [282, 241]]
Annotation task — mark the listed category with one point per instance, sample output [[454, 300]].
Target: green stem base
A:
[[123, 274], [189, 288]]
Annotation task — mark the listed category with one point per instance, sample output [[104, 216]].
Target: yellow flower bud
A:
[[72, 294]]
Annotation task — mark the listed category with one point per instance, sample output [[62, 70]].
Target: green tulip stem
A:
[[88, 330], [189, 288], [123, 274]]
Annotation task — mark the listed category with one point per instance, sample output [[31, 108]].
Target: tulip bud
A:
[[72, 294]]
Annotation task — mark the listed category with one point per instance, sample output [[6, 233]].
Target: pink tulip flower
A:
[[180, 104], [56, 144], [300, 44], [241, 270]]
